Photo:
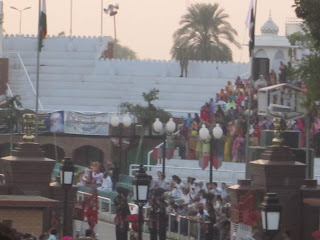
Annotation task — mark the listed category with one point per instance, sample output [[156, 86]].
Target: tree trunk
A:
[[140, 144], [11, 141]]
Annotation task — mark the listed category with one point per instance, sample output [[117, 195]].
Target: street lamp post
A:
[[66, 178], [20, 11], [115, 122], [205, 135], [140, 193], [270, 214], [112, 11], [170, 128]]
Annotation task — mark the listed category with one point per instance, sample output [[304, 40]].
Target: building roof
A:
[[26, 201], [270, 37], [269, 27]]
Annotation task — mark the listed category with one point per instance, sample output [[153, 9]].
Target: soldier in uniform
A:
[[162, 218], [122, 225], [153, 219]]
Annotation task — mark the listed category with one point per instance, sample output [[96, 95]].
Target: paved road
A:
[[106, 231]]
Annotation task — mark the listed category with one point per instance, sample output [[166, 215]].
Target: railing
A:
[[179, 226], [158, 146], [105, 205], [23, 68], [232, 179]]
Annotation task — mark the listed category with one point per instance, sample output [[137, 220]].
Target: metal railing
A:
[[16, 55], [232, 179]]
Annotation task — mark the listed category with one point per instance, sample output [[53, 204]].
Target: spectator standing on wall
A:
[[283, 72]]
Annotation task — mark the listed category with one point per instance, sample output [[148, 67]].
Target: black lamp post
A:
[[270, 215], [66, 178], [115, 122], [170, 128], [205, 135], [140, 193]]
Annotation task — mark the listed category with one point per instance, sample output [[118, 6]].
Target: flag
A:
[[42, 24], [250, 22]]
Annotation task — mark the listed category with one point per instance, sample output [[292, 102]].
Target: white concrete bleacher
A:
[[72, 78]]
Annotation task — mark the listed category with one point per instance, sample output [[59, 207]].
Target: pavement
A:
[[106, 231]]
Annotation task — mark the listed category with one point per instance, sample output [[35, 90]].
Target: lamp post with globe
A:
[[205, 135], [169, 128]]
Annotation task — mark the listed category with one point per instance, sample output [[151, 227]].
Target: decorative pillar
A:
[[279, 172], [27, 171]]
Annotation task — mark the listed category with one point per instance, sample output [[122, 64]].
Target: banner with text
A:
[[86, 123]]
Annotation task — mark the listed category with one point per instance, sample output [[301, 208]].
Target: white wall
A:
[[53, 43], [120, 67]]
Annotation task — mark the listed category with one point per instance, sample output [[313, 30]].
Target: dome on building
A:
[[269, 27]]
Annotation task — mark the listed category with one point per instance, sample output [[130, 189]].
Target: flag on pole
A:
[[250, 22], [42, 24]]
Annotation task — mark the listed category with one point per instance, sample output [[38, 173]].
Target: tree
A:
[[308, 10], [10, 115], [205, 32], [125, 52], [308, 69], [146, 115]]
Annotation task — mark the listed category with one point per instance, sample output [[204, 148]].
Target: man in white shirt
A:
[[215, 189], [106, 183]]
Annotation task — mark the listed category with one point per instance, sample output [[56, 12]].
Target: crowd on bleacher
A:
[[230, 111]]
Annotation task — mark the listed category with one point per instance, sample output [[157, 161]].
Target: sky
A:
[[145, 26]]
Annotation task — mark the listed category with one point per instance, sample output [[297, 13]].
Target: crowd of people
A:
[[95, 176], [8, 233], [230, 111], [194, 201]]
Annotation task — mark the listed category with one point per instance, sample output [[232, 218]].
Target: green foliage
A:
[[10, 114], [308, 70], [308, 10], [146, 114], [204, 33], [124, 52]]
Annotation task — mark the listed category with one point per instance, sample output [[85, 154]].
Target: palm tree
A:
[[205, 33]]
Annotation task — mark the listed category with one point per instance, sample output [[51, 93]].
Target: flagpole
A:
[[250, 92], [38, 69]]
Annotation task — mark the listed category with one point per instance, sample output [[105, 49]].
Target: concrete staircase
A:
[[67, 81]]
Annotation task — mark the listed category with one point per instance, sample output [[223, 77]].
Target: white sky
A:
[[145, 26]]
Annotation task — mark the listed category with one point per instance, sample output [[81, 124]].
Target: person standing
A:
[[53, 234], [162, 218], [122, 212], [153, 219]]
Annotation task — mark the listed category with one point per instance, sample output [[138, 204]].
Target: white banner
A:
[[87, 123]]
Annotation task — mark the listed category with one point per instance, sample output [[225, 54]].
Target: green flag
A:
[[42, 24]]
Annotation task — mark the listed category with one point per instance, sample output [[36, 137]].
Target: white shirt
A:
[[216, 191], [106, 184], [98, 177]]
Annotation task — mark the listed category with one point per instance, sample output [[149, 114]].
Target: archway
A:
[[278, 57], [86, 154], [53, 152]]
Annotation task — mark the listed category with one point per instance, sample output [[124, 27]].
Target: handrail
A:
[[134, 167], [26, 74], [158, 146]]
